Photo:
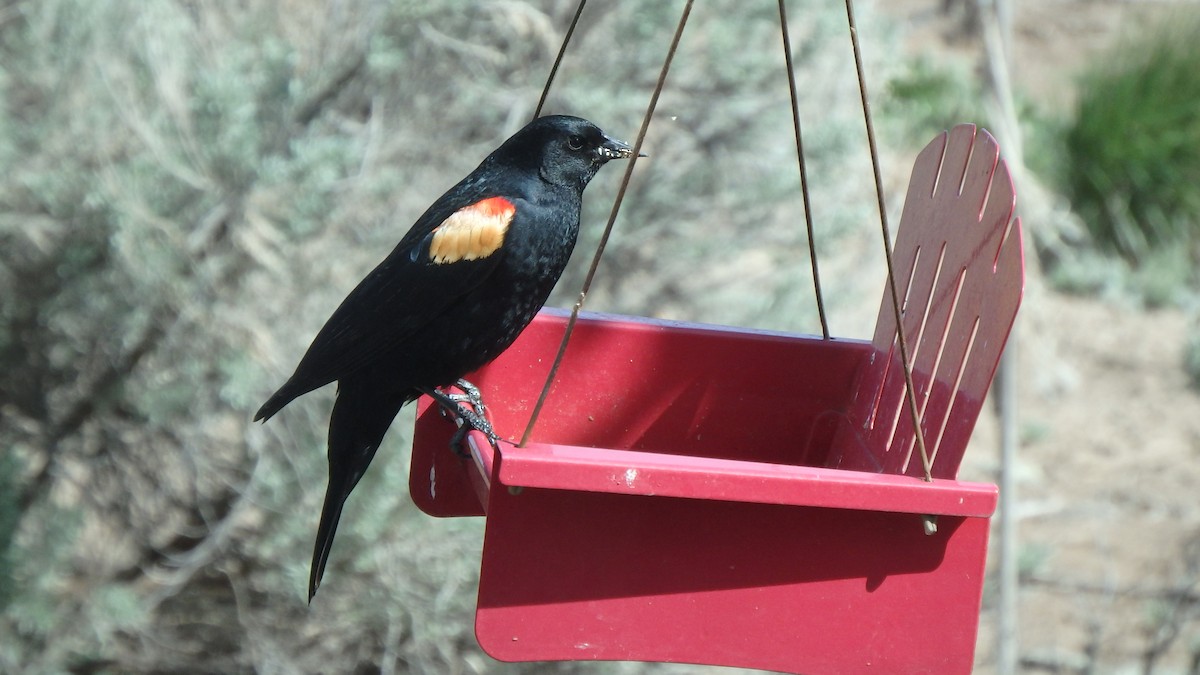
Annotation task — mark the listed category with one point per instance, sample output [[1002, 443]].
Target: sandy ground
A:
[[1110, 457]]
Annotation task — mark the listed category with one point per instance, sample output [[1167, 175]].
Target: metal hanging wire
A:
[[808, 221], [537, 112], [909, 388], [612, 216]]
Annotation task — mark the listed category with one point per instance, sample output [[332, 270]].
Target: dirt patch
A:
[[1053, 40]]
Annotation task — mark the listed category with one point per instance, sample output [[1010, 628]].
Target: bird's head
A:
[[565, 150]]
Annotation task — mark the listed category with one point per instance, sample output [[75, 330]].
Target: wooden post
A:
[[996, 18]]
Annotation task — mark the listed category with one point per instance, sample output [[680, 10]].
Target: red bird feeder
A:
[[734, 497]]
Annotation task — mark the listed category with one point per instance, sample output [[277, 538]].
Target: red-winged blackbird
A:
[[454, 293]]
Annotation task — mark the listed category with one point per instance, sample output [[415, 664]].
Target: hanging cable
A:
[[909, 388], [562, 50], [608, 227], [808, 222]]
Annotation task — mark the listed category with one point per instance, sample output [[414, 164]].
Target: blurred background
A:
[[188, 188]]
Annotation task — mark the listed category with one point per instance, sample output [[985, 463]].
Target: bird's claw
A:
[[471, 394], [467, 418]]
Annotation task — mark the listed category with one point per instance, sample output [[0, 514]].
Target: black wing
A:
[[400, 296]]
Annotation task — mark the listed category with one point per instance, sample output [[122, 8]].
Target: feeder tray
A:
[[735, 497]]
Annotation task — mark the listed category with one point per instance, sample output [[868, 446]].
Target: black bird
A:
[[454, 293]]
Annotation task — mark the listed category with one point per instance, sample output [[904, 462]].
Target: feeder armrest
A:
[[564, 467]]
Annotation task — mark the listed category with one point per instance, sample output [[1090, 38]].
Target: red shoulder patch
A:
[[472, 232], [496, 207]]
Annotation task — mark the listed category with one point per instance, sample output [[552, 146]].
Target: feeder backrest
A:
[[959, 272]]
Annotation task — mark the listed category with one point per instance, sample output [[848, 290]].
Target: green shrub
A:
[[928, 96], [1133, 152]]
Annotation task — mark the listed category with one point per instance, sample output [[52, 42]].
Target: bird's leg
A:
[[466, 418]]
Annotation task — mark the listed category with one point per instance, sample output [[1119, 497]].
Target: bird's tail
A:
[[274, 404], [361, 416], [289, 392], [335, 497]]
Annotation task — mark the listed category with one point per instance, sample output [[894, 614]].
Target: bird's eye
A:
[[575, 142]]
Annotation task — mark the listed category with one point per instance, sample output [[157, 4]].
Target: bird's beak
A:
[[611, 148]]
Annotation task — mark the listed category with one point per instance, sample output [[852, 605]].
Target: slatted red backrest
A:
[[959, 272]]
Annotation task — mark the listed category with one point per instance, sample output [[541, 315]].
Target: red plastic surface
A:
[[576, 574], [734, 497], [960, 271]]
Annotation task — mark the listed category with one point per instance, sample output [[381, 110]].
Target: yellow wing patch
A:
[[472, 232]]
